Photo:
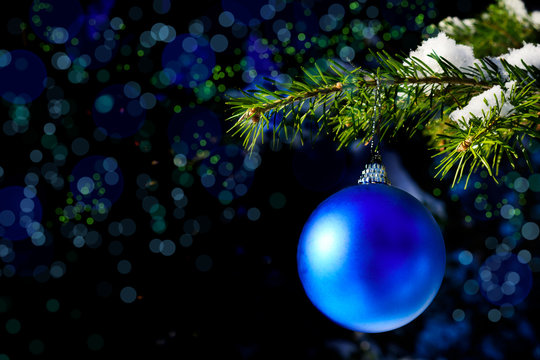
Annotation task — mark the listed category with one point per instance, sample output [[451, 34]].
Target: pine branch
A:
[[492, 32], [430, 95], [254, 109]]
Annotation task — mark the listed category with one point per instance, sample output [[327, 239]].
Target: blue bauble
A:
[[371, 258]]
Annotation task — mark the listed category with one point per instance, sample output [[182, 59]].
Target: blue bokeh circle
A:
[[23, 76], [20, 210], [504, 279], [188, 61], [56, 21], [97, 181], [371, 258], [227, 173], [194, 132], [116, 114]]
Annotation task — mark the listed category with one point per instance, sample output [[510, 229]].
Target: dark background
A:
[[230, 287]]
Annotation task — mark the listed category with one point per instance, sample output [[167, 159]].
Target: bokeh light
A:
[[23, 76], [227, 173], [56, 21], [20, 212], [504, 280], [117, 112], [122, 190], [246, 11], [96, 182], [128, 294], [188, 60], [193, 133], [97, 42]]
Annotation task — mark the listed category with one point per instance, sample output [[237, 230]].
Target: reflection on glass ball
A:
[[371, 258]]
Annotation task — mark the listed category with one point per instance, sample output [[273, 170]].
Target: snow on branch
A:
[[461, 56], [473, 89], [493, 100]]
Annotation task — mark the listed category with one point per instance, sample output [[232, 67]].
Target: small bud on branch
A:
[[465, 145]]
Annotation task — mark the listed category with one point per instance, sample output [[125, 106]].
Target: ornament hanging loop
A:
[[376, 119], [375, 172]]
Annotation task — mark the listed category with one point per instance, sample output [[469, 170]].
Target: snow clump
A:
[[517, 7], [448, 24], [494, 99], [529, 53], [461, 56], [535, 19]]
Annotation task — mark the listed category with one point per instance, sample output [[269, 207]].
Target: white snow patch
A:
[[469, 22], [448, 24], [535, 19], [529, 53], [517, 7], [494, 99], [461, 56], [510, 85]]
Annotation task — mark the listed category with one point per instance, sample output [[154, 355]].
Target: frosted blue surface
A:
[[371, 258]]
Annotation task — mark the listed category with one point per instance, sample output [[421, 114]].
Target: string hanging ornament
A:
[[371, 257]]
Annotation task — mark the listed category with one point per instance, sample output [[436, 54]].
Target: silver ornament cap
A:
[[374, 172]]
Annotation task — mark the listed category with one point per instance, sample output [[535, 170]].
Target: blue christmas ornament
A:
[[371, 257]]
